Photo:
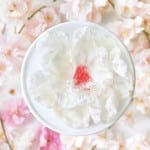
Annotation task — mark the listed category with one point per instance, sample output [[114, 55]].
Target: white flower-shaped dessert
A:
[[84, 77]]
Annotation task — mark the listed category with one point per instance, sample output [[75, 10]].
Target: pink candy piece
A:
[[81, 75]]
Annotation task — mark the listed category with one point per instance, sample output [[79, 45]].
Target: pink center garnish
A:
[[81, 75]]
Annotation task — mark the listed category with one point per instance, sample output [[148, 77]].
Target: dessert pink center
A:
[[81, 75]]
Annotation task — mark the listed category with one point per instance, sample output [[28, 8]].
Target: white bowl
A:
[[43, 114]]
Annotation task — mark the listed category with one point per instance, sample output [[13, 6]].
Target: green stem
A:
[[6, 138]]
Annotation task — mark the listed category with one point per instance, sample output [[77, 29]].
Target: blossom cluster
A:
[[22, 21]]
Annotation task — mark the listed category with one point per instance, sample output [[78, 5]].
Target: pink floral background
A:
[[22, 21]]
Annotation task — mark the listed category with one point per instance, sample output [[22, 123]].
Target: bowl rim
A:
[[28, 100]]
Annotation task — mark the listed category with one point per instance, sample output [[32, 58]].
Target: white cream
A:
[[98, 100]]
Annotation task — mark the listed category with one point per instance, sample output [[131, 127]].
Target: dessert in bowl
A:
[[78, 78]]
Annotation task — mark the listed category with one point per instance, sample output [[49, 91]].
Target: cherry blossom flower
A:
[[131, 32], [125, 8], [131, 9], [4, 65], [127, 119], [4, 146], [137, 142], [97, 142], [85, 10], [21, 138], [15, 8], [35, 26], [5, 69], [72, 142], [142, 65], [130, 28], [13, 49], [14, 14], [142, 8], [48, 139], [15, 113], [37, 4]]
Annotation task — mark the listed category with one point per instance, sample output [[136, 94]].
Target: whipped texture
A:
[[102, 96]]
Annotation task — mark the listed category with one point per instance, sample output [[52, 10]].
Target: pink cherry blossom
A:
[[125, 8], [48, 139], [142, 65], [4, 146], [127, 119], [35, 26], [137, 142], [13, 49], [5, 69], [4, 65], [16, 8], [131, 32], [132, 26], [131, 9], [100, 141], [15, 113], [142, 8], [85, 10]]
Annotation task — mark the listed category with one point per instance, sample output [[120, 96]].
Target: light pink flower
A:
[[125, 8], [100, 141], [48, 139], [35, 26], [4, 65], [4, 146], [15, 112], [16, 8], [130, 28], [142, 96], [13, 49], [86, 10], [127, 119], [130, 31], [131, 8], [137, 142], [142, 8], [5, 69]]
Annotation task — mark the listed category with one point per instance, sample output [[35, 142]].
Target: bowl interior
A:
[[32, 63]]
